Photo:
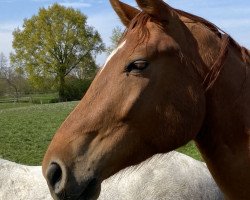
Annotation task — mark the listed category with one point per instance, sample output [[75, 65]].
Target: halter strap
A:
[[215, 70]]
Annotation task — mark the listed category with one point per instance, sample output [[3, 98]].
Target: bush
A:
[[55, 100], [36, 101], [76, 88]]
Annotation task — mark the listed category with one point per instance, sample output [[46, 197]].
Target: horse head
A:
[[148, 98]]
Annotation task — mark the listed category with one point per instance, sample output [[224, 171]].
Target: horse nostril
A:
[[54, 176]]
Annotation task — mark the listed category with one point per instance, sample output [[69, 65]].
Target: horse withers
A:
[[174, 77]]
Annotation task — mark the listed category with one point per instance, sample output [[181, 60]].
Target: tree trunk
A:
[[62, 96], [16, 95]]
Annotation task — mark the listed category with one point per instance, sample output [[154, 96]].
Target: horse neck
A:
[[224, 140]]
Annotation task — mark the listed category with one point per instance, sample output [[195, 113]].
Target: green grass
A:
[[4, 106], [191, 150], [26, 130]]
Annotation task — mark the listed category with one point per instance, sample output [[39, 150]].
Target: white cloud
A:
[[76, 4], [6, 29], [6, 42], [9, 26]]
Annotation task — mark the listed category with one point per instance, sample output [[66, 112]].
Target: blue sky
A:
[[233, 16]]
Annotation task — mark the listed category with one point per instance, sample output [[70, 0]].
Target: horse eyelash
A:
[[132, 66]]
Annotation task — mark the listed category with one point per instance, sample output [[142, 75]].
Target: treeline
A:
[[15, 84]]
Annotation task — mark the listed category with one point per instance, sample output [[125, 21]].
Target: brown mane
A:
[[142, 18], [227, 40], [139, 23], [215, 29]]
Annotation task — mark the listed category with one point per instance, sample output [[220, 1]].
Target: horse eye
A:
[[137, 66]]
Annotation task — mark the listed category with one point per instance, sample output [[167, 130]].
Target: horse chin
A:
[[91, 192]]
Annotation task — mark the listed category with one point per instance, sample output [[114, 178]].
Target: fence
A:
[[33, 98]]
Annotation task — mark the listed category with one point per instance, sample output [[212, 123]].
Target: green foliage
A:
[[115, 38], [87, 70], [76, 88], [26, 130], [53, 43], [11, 82]]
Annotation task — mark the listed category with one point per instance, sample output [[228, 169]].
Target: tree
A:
[[115, 38], [11, 82], [86, 71], [53, 43], [3, 66], [3, 62]]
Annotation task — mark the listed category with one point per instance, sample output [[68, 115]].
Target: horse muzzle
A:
[[64, 185]]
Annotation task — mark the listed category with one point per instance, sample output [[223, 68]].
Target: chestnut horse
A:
[[175, 77]]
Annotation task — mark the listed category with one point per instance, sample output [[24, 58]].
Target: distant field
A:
[[27, 129]]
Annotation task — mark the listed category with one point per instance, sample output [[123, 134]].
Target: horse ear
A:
[[156, 8], [124, 11]]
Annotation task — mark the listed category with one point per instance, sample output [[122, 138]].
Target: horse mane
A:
[[139, 23], [217, 31], [227, 40]]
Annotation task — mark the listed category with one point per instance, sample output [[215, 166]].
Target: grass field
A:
[[4, 106], [26, 130]]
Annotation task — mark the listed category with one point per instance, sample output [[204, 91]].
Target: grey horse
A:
[[172, 176]]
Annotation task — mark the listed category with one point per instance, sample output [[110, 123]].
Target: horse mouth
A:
[[91, 192]]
